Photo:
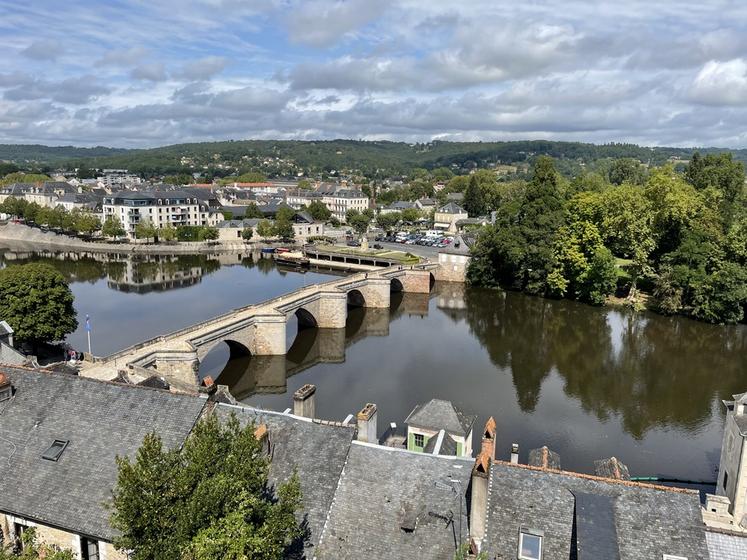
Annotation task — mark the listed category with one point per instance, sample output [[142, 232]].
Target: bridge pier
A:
[[377, 292], [416, 281], [332, 310], [269, 335], [180, 366]]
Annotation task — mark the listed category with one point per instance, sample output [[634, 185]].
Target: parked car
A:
[[378, 246], [354, 243]]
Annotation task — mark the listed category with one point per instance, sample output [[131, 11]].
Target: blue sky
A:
[[147, 73]]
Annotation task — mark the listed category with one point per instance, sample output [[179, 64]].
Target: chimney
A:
[[488, 438], [304, 401], [515, 453], [6, 389], [367, 424], [478, 511]]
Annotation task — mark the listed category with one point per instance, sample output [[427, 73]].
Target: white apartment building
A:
[[111, 177], [338, 202], [168, 208]]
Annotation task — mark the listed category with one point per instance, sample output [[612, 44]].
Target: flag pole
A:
[[88, 332]]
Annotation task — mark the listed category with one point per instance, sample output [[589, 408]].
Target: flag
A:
[[88, 324]]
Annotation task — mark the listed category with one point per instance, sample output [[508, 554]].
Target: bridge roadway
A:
[[259, 329]]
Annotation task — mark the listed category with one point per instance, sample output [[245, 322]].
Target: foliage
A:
[[167, 233], [211, 499], [253, 211], [112, 227], [35, 551], [265, 229], [37, 303], [319, 211], [196, 233], [283, 228], [247, 233], [474, 198], [359, 223], [463, 553], [20, 177], [388, 221], [145, 230]]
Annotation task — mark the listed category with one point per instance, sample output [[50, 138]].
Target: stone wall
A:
[[452, 268]]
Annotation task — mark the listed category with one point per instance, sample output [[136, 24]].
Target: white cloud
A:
[[153, 72], [45, 49], [321, 23], [721, 83], [203, 68]]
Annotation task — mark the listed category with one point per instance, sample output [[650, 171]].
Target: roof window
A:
[[670, 557], [55, 450], [530, 544]]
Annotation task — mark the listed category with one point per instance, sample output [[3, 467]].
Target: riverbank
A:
[[28, 238]]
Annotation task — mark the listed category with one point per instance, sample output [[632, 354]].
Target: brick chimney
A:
[[478, 511], [6, 389], [488, 438], [367, 424], [304, 401]]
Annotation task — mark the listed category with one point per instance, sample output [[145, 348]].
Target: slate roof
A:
[[448, 446], [457, 247], [644, 521], [384, 493], [611, 468], [544, 458], [451, 208], [5, 328], [438, 414], [100, 420], [316, 451], [724, 546]]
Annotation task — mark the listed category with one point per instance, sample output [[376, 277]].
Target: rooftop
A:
[[439, 414], [98, 421]]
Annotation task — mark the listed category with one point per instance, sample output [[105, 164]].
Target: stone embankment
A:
[[28, 238]]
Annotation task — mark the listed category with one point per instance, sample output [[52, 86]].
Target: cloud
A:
[[203, 68], [153, 72], [321, 23], [74, 91], [721, 83], [46, 49], [123, 57]]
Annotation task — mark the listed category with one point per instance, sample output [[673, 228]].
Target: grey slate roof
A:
[[448, 446], [451, 208], [438, 414], [317, 452], [384, 493], [545, 458], [648, 521], [611, 468], [100, 420], [723, 546]]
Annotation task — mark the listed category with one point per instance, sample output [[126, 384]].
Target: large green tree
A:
[[210, 499], [474, 198], [37, 303], [319, 211]]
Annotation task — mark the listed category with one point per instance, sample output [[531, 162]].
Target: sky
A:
[[144, 73]]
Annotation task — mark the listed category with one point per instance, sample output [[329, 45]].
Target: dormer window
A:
[[530, 544]]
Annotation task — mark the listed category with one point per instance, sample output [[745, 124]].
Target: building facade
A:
[[161, 209]]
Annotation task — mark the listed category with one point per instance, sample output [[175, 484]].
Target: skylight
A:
[[530, 544], [55, 450], [670, 557]]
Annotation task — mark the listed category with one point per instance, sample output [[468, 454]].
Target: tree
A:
[[265, 229], [211, 499], [37, 303], [283, 229], [247, 233], [208, 233], [474, 200], [86, 223], [319, 211], [334, 222], [627, 170], [359, 223], [112, 227], [145, 230], [253, 211], [32, 550], [410, 215], [350, 214], [305, 184], [167, 233], [388, 220]]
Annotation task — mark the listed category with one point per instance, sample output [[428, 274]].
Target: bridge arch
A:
[[215, 358], [397, 285], [306, 319], [356, 299]]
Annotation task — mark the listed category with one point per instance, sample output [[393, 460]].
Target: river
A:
[[588, 382]]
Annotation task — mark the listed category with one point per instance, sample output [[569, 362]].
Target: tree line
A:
[[681, 237]]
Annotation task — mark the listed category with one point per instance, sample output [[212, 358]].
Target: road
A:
[[419, 250]]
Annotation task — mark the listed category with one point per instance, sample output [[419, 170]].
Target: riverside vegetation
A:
[[680, 236]]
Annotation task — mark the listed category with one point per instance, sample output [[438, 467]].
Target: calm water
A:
[[588, 382]]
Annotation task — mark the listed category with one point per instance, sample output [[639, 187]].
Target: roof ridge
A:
[[596, 478]]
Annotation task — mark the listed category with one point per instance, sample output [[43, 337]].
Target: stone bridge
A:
[[260, 329]]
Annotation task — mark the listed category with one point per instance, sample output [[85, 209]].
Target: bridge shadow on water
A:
[[307, 346]]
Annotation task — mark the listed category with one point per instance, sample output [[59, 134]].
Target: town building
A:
[[60, 435], [437, 423], [399, 206], [339, 201], [447, 216], [453, 261], [160, 208], [113, 177]]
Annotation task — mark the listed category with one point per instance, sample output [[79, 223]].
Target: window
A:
[[726, 477], [530, 544], [89, 549], [419, 440], [55, 450]]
